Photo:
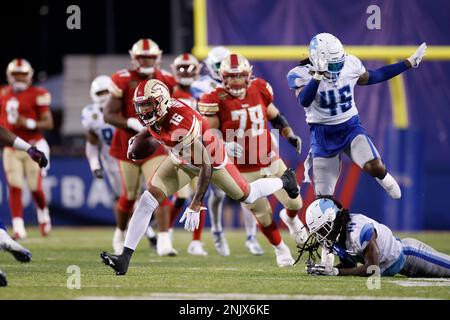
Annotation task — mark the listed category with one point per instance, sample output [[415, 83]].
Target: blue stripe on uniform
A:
[[2, 226], [372, 147], [409, 251]]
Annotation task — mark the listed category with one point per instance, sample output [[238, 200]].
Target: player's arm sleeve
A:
[[85, 118], [366, 234], [385, 73], [208, 105], [192, 134], [43, 101], [266, 91], [117, 86], [304, 85]]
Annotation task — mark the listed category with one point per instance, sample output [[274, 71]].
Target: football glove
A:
[[319, 269], [417, 57], [296, 141], [192, 218], [234, 149], [38, 156], [321, 64]]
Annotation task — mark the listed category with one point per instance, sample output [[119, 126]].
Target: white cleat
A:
[[45, 224], [253, 246], [118, 241], [19, 232], [221, 244], [390, 186], [164, 245], [20, 253], [284, 257], [196, 248], [296, 228]]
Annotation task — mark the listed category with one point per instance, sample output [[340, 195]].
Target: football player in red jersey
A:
[[241, 109], [119, 112], [25, 111], [20, 253], [186, 69], [194, 151]]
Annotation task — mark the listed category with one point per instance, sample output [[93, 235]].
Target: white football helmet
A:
[[333, 51], [214, 59], [151, 101], [100, 89], [320, 217], [186, 69], [235, 72], [145, 48], [19, 66]]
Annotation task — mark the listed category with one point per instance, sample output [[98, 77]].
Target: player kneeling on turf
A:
[[356, 238], [194, 152]]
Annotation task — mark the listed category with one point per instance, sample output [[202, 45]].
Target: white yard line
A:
[[242, 296]]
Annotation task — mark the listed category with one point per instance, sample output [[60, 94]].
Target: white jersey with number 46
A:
[[334, 102]]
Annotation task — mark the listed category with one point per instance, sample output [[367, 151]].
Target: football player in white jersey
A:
[[206, 84], [98, 141], [324, 85], [355, 238]]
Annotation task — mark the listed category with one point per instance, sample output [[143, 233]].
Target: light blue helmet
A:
[[333, 51], [320, 217], [214, 59]]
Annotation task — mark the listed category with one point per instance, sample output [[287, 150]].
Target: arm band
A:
[[21, 144], [308, 93], [386, 72], [279, 122]]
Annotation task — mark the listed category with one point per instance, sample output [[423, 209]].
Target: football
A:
[[140, 147]]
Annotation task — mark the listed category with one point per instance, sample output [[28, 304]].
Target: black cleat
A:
[[118, 263], [3, 281], [153, 241], [20, 253], [290, 183]]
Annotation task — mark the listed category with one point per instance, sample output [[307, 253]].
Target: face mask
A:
[[146, 70], [19, 86], [186, 81]]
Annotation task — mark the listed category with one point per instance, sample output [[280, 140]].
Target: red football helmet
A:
[[235, 72], [19, 74], [186, 69], [151, 101], [146, 56]]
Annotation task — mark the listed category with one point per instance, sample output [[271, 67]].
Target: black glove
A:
[[38, 156], [296, 141]]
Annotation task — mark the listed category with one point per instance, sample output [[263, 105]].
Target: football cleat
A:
[[283, 254], [221, 244], [253, 246], [19, 232], [3, 281], [196, 248], [20, 253], [117, 262], [164, 245], [290, 183], [296, 228], [45, 225], [153, 241]]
